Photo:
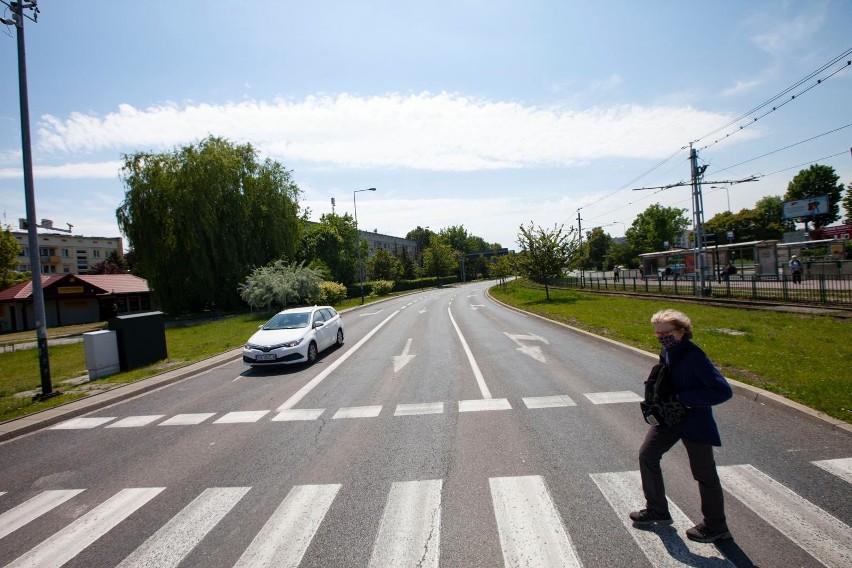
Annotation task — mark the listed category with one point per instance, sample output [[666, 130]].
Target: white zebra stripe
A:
[[820, 534], [357, 412], [187, 419], [478, 405], [298, 414], [531, 530], [842, 468], [556, 401], [615, 397], [169, 545], [135, 421], [82, 423], [242, 417], [410, 529], [663, 546], [15, 518], [73, 539], [419, 408], [285, 537]]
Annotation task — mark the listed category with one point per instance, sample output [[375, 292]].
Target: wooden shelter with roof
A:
[[74, 299]]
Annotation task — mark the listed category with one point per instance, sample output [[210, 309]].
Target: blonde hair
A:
[[678, 319]]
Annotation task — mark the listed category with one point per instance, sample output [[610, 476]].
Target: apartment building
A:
[[66, 254]]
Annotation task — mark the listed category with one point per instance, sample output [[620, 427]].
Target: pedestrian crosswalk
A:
[[351, 412], [529, 523]]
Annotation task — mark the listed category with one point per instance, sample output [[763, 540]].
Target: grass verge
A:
[[806, 358]]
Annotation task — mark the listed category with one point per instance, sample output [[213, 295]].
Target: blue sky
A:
[[483, 114]]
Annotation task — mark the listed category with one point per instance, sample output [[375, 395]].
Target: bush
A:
[[381, 287], [331, 293]]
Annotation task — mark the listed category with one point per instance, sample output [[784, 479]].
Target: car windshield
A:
[[288, 321]]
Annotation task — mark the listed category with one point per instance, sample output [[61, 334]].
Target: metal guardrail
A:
[[814, 289]]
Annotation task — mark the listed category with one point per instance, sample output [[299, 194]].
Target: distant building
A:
[[66, 254], [377, 241], [73, 299]]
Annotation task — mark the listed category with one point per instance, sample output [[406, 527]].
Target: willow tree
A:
[[200, 218]]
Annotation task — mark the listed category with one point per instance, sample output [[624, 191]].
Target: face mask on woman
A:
[[667, 341]]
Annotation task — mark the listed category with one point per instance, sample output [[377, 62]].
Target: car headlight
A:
[[293, 343]]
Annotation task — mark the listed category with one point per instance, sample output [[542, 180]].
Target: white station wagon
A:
[[296, 335]]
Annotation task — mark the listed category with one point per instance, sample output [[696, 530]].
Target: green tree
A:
[[279, 283], [422, 236], [502, 268], [384, 266], [456, 236], [847, 203], [200, 217], [439, 259], [655, 226], [595, 247], [545, 253], [9, 250], [621, 254], [817, 181], [333, 241]]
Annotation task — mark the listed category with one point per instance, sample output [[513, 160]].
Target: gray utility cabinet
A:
[[141, 339]]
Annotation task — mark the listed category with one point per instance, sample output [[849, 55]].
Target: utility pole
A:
[[698, 218], [580, 232], [32, 230]]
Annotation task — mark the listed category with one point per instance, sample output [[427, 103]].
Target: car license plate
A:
[[266, 357]]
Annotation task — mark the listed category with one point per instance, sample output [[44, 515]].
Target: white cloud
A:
[[80, 170], [741, 87], [437, 132], [783, 36]]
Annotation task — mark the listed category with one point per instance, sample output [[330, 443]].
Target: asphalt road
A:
[[448, 430]]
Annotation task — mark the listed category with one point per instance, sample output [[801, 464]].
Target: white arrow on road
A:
[[423, 311], [533, 351], [370, 313], [400, 361], [476, 306]]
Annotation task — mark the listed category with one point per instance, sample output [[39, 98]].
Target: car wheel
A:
[[312, 353], [339, 338]]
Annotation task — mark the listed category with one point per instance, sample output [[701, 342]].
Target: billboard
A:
[[806, 207]]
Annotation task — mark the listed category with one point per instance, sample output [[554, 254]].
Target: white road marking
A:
[[82, 423], [533, 351], [419, 408], [187, 419], [242, 417], [298, 414], [548, 401], [369, 313], [663, 546], [531, 530], [170, 545], [820, 534], [483, 388], [135, 421], [400, 361], [285, 537], [15, 518], [613, 397], [842, 468], [73, 539], [302, 392], [357, 412], [475, 307], [410, 529], [481, 405]]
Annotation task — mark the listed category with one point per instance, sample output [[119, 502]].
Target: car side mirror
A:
[[260, 326], [319, 323]]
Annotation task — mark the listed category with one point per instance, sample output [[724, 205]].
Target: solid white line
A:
[[615, 397], [73, 539], [482, 405], [135, 421], [357, 412], [13, 519], [244, 416], [298, 414], [663, 546], [419, 408], [187, 419], [410, 529], [530, 528], [820, 534], [169, 545], [82, 423], [842, 468], [302, 392], [483, 388], [285, 537], [548, 401]]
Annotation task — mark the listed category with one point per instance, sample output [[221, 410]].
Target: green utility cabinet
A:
[[141, 339]]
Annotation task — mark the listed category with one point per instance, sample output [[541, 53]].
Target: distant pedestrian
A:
[[730, 271], [641, 272], [615, 271], [796, 269], [697, 385]]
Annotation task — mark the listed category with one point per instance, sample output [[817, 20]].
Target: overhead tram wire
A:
[[801, 81], [784, 148], [843, 153]]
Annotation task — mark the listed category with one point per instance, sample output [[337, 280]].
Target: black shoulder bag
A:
[[660, 407]]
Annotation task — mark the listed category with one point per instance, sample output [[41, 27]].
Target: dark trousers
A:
[[660, 440], [797, 277]]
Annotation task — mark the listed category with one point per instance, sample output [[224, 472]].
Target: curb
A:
[[755, 394]]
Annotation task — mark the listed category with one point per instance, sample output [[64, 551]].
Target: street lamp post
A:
[[358, 236]]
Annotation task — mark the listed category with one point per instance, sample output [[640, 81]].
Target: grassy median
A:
[[806, 358]]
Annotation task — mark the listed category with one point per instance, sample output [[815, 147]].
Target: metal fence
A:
[[814, 289]]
